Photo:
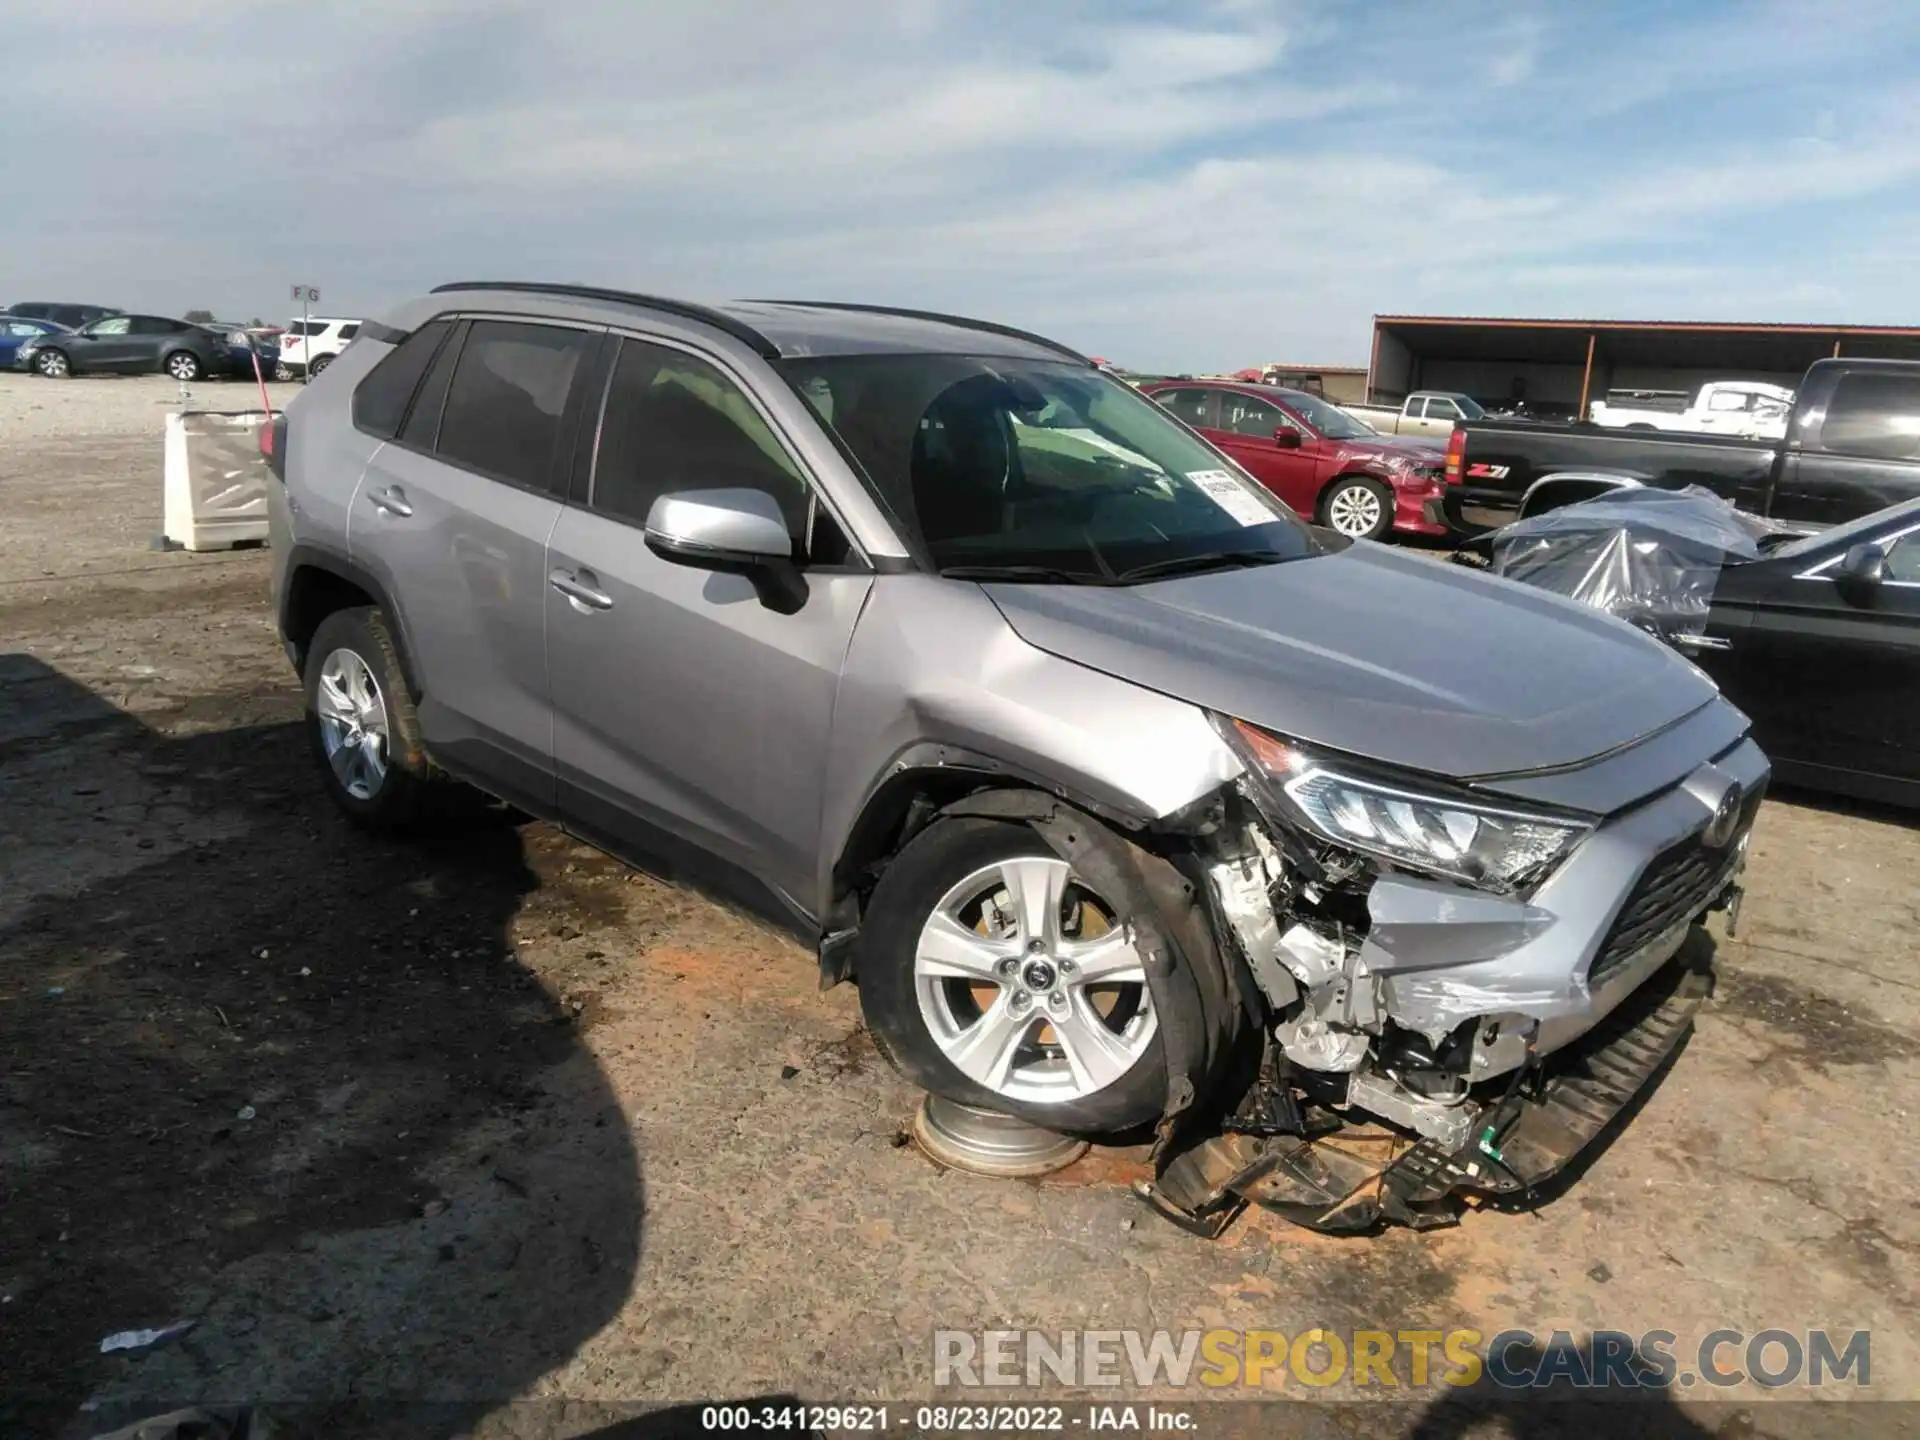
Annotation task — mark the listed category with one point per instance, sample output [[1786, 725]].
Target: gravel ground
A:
[[494, 1122]]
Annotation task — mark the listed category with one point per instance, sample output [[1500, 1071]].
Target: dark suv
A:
[[1098, 769], [129, 345]]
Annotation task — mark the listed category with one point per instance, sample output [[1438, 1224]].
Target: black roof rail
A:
[[959, 320], [685, 309]]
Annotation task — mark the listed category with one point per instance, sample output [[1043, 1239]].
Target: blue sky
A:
[[1192, 185]]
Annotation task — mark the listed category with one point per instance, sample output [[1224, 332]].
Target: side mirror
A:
[[1860, 573], [1287, 438], [736, 532]]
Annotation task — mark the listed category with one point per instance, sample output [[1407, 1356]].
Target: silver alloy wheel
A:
[[52, 364], [283, 372], [1031, 984], [353, 724], [1354, 510], [182, 366]]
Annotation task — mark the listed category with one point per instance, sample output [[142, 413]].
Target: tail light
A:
[[273, 444], [1456, 468]]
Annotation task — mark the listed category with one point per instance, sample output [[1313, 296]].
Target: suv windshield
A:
[[1037, 470], [1330, 420]]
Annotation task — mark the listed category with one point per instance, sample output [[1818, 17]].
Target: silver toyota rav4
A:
[[1128, 800]]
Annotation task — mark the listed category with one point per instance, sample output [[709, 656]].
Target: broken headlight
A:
[[1403, 820]]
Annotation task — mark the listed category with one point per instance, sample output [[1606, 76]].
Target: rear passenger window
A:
[[674, 422], [1191, 406], [509, 392], [422, 430], [381, 400], [347, 332], [1874, 415]]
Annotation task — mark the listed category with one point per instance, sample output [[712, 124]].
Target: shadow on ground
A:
[[282, 1080]]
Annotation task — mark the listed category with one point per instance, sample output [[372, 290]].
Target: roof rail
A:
[[686, 309], [960, 320]]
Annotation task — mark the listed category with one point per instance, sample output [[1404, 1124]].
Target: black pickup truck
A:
[[1852, 447]]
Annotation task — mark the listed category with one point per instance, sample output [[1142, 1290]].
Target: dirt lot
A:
[[496, 1119]]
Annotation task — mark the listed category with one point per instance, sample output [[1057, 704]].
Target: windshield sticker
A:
[[1231, 495]]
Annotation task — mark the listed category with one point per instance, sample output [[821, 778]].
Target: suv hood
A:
[[1404, 660]]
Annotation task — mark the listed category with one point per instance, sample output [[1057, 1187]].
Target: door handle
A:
[[580, 591], [393, 500], [1702, 642]]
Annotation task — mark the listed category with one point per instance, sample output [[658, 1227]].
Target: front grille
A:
[[1676, 884]]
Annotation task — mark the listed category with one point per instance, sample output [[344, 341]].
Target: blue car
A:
[[243, 343], [16, 331]]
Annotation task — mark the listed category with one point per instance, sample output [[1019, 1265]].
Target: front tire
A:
[[320, 365], [183, 365], [52, 365], [361, 722], [992, 974], [1357, 507], [283, 372]]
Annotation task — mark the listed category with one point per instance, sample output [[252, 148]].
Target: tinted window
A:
[[1903, 560], [422, 429], [32, 312], [381, 399], [508, 394], [1244, 415], [674, 422], [1874, 415], [1440, 408], [1192, 406], [152, 325], [347, 332], [74, 315], [1051, 468]]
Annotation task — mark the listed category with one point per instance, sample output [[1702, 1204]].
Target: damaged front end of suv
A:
[[1461, 990]]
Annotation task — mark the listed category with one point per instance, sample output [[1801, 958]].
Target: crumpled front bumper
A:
[[1564, 957]]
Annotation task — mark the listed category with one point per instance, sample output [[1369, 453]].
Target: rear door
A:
[[683, 706], [1854, 449], [452, 517], [152, 337]]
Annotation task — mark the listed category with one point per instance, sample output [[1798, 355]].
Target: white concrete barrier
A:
[[215, 488]]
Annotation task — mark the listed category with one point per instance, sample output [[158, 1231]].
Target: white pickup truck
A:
[[1751, 409], [1424, 412]]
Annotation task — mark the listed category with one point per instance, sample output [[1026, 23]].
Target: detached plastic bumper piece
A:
[[1362, 1176]]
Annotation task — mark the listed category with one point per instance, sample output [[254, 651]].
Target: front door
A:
[[1831, 680], [684, 708], [452, 517], [105, 345], [1251, 430]]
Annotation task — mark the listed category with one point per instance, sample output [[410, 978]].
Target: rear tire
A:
[[361, 723], [320, 365], [1358, 507], [183, 365], [283, 372], [948, 980]]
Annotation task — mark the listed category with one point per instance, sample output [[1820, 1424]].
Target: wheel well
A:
[[900, 809], [312, 595]]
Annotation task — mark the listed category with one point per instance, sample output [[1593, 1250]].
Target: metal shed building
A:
[[1558, 366]]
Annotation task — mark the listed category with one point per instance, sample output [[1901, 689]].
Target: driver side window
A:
[[1244, 415], [675, 422], [1903, 559]]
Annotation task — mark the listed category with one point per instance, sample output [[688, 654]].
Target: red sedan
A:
[[1327, 465]]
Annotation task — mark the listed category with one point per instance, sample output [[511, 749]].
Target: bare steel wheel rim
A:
[[183, 367], [353, 724], [1354, 510], [1032, 985]]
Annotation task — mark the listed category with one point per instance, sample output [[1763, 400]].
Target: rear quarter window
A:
[[1874, 415], [380, 402]]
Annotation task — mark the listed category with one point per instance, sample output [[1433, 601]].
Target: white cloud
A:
[[1197, 186]]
